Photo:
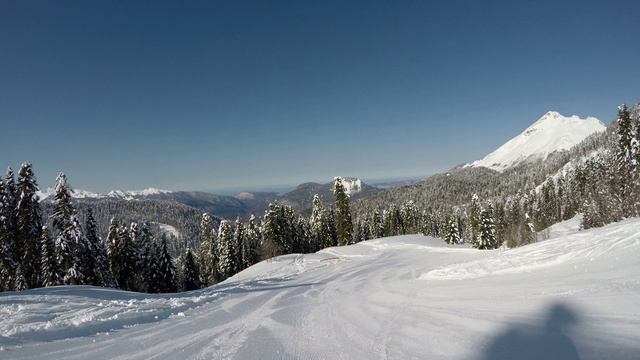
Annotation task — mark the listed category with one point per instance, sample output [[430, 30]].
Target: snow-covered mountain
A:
[[552, 132], [114, 194], [574, 296]]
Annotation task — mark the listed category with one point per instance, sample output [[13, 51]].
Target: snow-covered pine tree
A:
[[251, 243], [61, 219], [19, 281], [76, 274], [190, 272], [28, 226], [7, 230], [475, 210], [226, 265], [453, 232], [208, 265], [344, 224], [272, 233], [591, 215], [70, 244], [51, 273], [410, 217], [99, 270], [487, 237], [238, 242], [303, 234], [113, 252], [142, 245], [166, 269], [127, 259], [154, 276], [625, 159], [317, 224], [377, 225]]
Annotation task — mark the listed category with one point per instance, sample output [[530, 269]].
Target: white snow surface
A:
[[574, 296], [552, 132]]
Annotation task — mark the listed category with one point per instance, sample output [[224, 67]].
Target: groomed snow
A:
[[576, 295], [552, 132]]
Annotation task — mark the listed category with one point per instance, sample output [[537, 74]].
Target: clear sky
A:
[[241, 94]]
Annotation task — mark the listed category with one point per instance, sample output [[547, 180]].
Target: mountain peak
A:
[[551, 132]]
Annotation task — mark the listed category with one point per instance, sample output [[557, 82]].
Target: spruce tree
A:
[[625, 158], [20, 282], [318, 224], [487, 237], [99, 270], [251, 243], [126, 266], [453, 231], [190, 272], [475, 211], [142, 246], [51, 273], [226, 265], [166, 269], [208, 252], [344, 225], [7, 230], [28, 226], [113, 252], [71, 247], [238, 242]]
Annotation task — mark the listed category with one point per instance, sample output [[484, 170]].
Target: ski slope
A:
[[574, 296]]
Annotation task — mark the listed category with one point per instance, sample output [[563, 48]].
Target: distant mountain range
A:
[[225, 206]]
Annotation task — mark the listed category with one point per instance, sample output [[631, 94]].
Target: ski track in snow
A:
[[405, 297]]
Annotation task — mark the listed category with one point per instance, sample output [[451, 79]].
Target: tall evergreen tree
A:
[[190, 272], [99, 272], [453, 231], [625, 158], [71, 247], [226, 263], [208, 252], [143, 248], [113, 252], [7, 230], [251, 243], [28, 226], [166, 268], [344, 224], [238, 242], [487, 237], [318, 224], [51, 273], [475, 211]]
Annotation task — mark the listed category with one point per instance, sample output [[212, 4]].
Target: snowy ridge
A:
[[114, 194], [401, 297], [552, 132]]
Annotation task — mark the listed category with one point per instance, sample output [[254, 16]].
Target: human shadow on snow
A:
[[548, 340]]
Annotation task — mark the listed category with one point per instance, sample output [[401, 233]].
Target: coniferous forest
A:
[[62, 244]]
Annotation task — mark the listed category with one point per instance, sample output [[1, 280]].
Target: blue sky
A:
[[241, 94]]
